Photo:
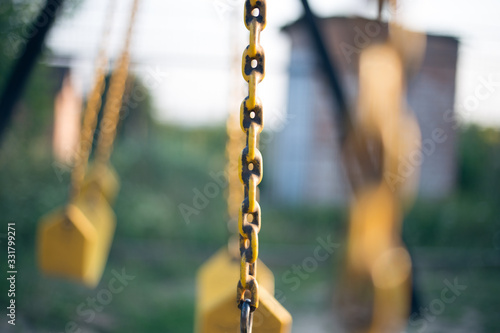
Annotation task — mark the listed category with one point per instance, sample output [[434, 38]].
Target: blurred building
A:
[[67, 115], [303, 160], [135, 114]]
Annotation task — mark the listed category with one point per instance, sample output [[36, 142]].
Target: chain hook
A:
[[246, 316]]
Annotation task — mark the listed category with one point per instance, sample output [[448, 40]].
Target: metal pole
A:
[[342, 112], [20, 73]]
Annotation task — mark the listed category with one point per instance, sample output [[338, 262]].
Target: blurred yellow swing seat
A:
[[103, 178], [74, 242], [216, 311]]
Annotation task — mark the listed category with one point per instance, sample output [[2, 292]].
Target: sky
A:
[[189, 51]]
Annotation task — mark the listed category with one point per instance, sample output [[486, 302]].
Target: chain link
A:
[[250, 162]]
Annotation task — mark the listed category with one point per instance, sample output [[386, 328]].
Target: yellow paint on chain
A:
[[250, 164]]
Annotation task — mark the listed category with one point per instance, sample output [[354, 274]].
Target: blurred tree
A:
[[16, 28], [136, 111], [479, 160]]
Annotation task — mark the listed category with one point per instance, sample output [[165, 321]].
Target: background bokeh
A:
[[161, 160]]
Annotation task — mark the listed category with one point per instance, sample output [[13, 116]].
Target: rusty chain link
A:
[[250, 162]]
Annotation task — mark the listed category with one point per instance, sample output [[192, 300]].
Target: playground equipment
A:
[[74, 242], [375, 290], [216, 310]]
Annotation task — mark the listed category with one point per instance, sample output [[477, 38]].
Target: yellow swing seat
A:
[[216, 310], [74, 242], [104, 178]]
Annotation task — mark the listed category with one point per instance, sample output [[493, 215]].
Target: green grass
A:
[[154, 242]]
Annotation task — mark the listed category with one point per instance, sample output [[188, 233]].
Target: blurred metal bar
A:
[[357, 153], [342, 112], [20, 73]]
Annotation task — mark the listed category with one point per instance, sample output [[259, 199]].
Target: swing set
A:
[[232, 294]]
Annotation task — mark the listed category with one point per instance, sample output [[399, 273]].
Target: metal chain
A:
[[388, 262], [376, 255], [92, 109], [250, 162], [246, 319], [115, 97]]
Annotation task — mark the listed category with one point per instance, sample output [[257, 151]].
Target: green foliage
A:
[[36, 104], [153, 241], [162, 167], [479, 161], [468, 218]]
